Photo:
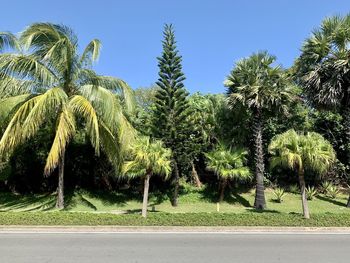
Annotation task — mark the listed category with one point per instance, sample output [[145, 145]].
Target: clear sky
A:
[[211, 34]]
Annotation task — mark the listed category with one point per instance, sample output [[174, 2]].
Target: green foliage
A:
[[171, 104], [311, 192], [228, 164], [279, 194], [325, 186], [332, 191], [323, 69], [148, 157], [294, 188], [64, 88], [299, 151], [173, 219], [256, 84]]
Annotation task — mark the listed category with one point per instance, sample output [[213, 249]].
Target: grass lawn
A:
[[195, 201], [196, 207]]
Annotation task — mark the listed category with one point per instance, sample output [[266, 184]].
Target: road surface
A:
[[173, 247]]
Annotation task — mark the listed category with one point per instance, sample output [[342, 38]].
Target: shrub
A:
[[311, 192], [294, 188], [279, 193], [332, 191], [325, 186]]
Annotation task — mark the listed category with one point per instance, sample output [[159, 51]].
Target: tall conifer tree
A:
[[171, 106]]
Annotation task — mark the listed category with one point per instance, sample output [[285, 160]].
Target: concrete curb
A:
[[165, 229]]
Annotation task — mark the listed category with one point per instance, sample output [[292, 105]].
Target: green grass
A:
[[194, 201], [167, 219], [196, 207]]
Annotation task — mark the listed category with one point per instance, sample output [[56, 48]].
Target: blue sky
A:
[[211, 34]]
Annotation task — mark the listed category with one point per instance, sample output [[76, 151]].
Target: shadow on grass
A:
[[209, 194], [273, 200], [236, 198], [119, 198], [259, 211], [327, 199], [12, 202]]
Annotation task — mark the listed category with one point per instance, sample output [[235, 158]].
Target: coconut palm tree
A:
[[148, 158], [324, 71], [7, 41], [299, 152], [62, 87], [262, 88], [228, 165]]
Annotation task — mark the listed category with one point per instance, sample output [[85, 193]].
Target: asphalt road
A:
[[173, 247]]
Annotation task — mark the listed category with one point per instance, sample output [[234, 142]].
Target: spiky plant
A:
[[148, 158], [324, 71], [261, 87], [311, 192], [325, 186], [300, 152], [279, 193], [61, 86], [332, 191], [228, 165]]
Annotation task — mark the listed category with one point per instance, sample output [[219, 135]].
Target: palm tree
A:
[[7, 41], [63, 88], [261, 88], [148, 158], [228, 165], [300, 152], [324, 71]]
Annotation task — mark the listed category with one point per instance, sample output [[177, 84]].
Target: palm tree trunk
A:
[[145, 194], [195, 176], [260, 202], [60, 188], [346, 124], [174, 201], [303, 194], [222, 190]]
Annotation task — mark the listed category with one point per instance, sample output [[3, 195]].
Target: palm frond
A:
[[13, 134], [83, 107], [8, 40], [91, 52], [27, 67], [64, 132]]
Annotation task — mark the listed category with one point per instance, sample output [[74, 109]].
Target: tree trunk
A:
[[60, 188], [303, 194], [174, 201], [145, 194], [222, 190], [346, 123], [195, 176], [260, 202]]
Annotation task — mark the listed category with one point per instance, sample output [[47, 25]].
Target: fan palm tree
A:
[[228, 165], [261, 88], [61, 86], [148, 158], [324, 70], [300, 152]]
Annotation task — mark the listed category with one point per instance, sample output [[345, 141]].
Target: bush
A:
[[325, 186], [279, 193], [311, 192], [332, 191], [294, 188]]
